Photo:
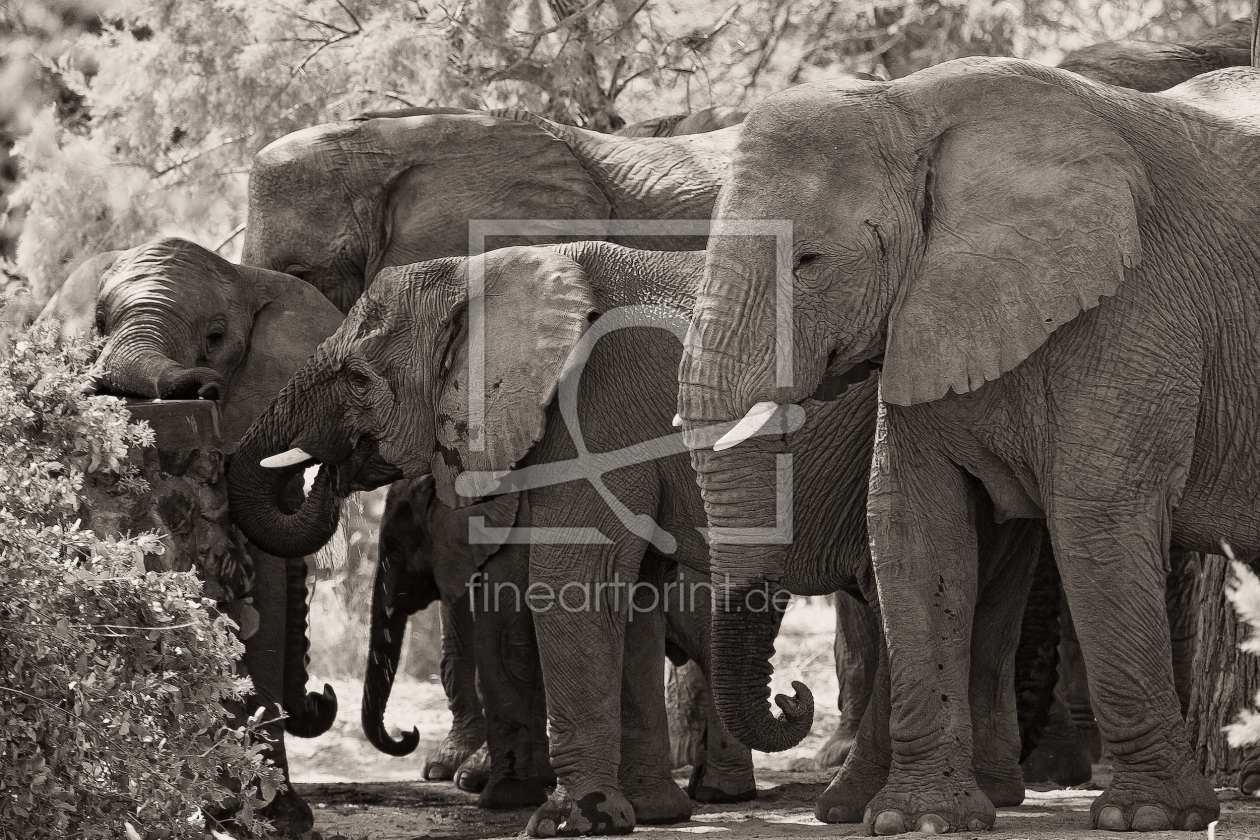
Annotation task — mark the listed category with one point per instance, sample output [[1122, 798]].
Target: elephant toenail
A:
[[1111, 819], [1151, 818], [889, 822], [1195, 822], [932, 824], [835, 815], [978, 824]]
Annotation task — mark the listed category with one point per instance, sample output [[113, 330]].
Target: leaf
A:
[[62, 628], [132, 834]]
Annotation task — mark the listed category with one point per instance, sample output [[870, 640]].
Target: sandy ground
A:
[[359, 793]]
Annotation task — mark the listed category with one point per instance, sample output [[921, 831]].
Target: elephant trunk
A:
[[742, 489], [389, 626], [137, 365], [308, 715], [255, 491]]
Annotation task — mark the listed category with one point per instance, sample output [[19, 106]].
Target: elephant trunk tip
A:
[[316, 716]]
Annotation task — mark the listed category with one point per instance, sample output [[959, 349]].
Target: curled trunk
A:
[[389, 626], [255, 493], [308, 715], [743, 642]]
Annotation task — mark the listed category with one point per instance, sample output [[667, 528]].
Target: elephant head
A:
[[182, 322], [901, 195], [424, 555], [388, 395], [336, 203]]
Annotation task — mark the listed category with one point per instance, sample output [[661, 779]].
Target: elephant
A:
[[336, 203], [1032, 262], [416, 530], [1151, 67], [182, 322], [385, 399], [702, 121]]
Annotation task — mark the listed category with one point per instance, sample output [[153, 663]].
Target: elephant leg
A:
[[1114, 578], [724, 772], [509, 682], [1074, 685], [1181, 597], [865, 770], [264, 662], [856, 654], [580, 617], [459, 681], [1010, 554], [1061, 755], [644, 773]]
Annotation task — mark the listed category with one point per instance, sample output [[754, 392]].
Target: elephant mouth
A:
[[836, 382], [364, 470]]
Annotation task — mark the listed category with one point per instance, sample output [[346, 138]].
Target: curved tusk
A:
[[286, 459], [756, 417], [677, 421]]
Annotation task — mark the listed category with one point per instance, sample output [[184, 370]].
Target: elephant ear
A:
[[535, 304], [1030, 214], [461, 547], [291, 319]]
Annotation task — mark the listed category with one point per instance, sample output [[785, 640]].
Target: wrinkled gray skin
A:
[[416, 530], [369, 419], [181, 322], [336, 203], [675, 125], [1036, 262], [1150, 67]]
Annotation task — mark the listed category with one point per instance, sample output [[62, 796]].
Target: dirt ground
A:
[[361, 794]]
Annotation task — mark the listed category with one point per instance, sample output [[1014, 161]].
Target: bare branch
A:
[[236, 231]]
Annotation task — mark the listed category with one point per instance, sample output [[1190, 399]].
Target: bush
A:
[[112, 680]]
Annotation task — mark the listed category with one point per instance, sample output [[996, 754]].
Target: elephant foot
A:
[[836, 750], [851, 789], [289, 813], [1004, 789], [442, 763], [710, 786], [474, 773], [1136, 802], [507, 794], [1063, 761], [935, 808], [657, 801], [603, 810]]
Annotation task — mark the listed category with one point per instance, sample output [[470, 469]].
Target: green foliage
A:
[[112, 680]]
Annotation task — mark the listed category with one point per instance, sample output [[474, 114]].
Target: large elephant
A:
[[336, 203], [675, 125], [387, 397], [1150, 66], [1082, 276], [182, 322]]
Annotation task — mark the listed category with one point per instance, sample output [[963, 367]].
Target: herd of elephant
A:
[[1017, 365]]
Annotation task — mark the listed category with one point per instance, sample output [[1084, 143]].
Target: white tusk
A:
[[756, 417], [286, 459], [677, 421]]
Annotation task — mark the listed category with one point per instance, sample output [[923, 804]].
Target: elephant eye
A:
[[805, 260], [359, 380], [214, 339], [301, 272]]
